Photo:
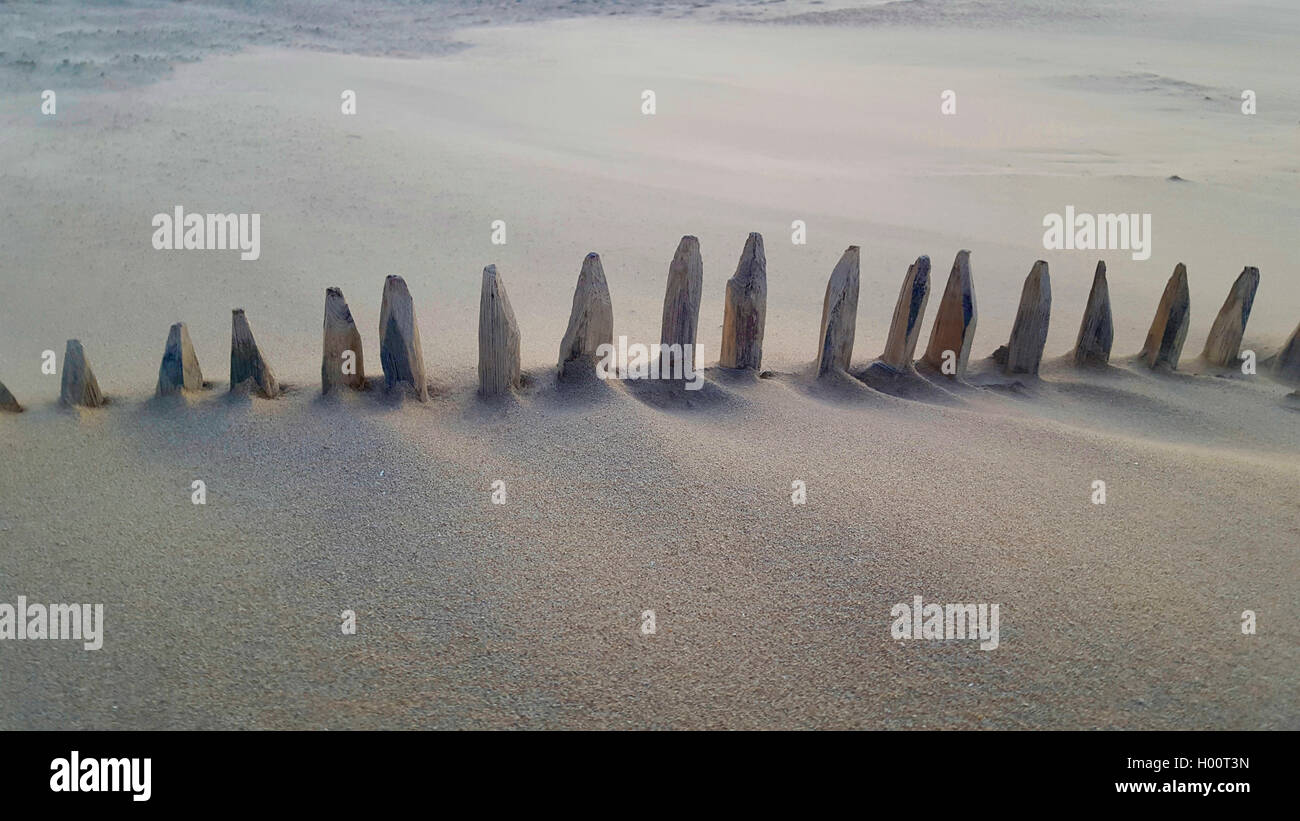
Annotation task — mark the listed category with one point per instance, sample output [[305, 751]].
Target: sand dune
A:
[[526, 614]]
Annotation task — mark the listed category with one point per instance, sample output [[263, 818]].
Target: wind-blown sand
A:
[[474, 615]]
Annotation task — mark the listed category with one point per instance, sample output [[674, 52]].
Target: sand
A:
[[620, 500]]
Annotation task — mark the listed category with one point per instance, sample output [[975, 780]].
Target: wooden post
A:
[[905, 327], [249, 371], [1168, 331], [954, 324], [1287, 366], [8, 403], [498, 337], [745, 311], [340, 335], [179, 370], [400, 353], [839, 315], [681, 316], [591, 321], [79, 386], [1029, 331], [1096, 331], [1223, 345]]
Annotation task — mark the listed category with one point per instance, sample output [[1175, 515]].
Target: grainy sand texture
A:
[[622, 497]]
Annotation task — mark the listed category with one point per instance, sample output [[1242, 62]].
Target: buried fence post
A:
[[1029, 331], [839, 315], [340, 337], [1097, 330], [1223, 344], [681, 316], [591, 321], [905, 327], [79, 386], [498, 337], [400, 353], [954, 324], [179, 370], [249, 371], [745, 311], [7, 401], [1164, 343], [1287, 367]]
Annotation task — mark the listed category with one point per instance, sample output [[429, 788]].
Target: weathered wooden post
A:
[[591, 321], [179, 370], [954, 324], [681, 316], [1287, 365], [905, 327], [79, 386], [1096, 331], [249, 371], [1164, 343], [745, 311], [1029, 331], [839, 315], [400, 353], [498, 337], [8, 403], [342, 363], [1223, 345]]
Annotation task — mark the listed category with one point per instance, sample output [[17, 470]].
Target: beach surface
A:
[[622, 499]]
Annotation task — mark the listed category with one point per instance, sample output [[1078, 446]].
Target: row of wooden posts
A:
[[591, 325]]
